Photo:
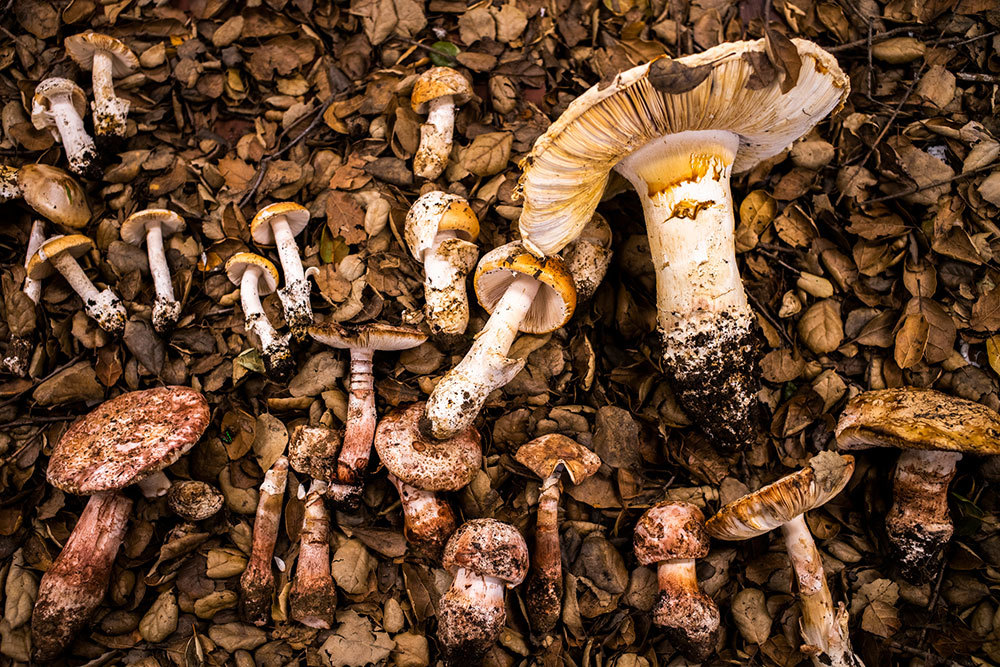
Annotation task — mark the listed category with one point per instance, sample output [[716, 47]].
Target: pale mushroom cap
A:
[[556, 298], [435, 212], [778, 503], [55, 194], [128, 438], [134, 228], [296, 215], [439, 82], [54, 87], [546, 453], [82, 47], [372, 336], [597, 231], [489, 548], [610, 121], [40, 267], [194, 501], [911, 418], [427, 464], [670, 530], [238, 263]]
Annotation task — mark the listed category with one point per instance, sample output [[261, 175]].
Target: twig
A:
[[31, 421], [977, 78], [919, 188], [439, 52], [770, 318], [881, 37]]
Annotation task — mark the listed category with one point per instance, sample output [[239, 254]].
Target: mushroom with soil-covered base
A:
[[59, 253], [934, 430], [152, 226], [436, 93], [279, 224], [588, 257], [257, 581], [678, 146], [313, 451], [50, 191], [313, 599], [256, 277], [522, 293], [19, 349], [783, 504], [107, 58], [121, 442], [58, 106]]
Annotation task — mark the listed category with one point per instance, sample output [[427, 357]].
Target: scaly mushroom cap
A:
[[778, 503], [547, 452], [556, 298], [372, 336], [296, 215], [194, 501], [312, 450], [911, 418], [427, 464], [436, 212], [54, 87], [239, 262], [134, 228], [55, 194], [611, 121], [40, 266], [82, 47], [488, 548], [128, 438], [439, 82], [670, 530]]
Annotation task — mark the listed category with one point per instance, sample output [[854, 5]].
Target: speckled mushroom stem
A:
[[274, 348], [75, 585], [688, 616], [313, 599], [79, 147], [166, 310], [294, 295], [428, 521], [104, 305], [33, 288], [545, 583], [470, 617], [9, 188], [110, 111], [20, 348], [446, 264], [435, 138], [360, 428], [257, 582]]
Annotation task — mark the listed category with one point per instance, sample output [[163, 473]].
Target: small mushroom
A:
[[436, 93], [485, 556], [671, 535], [194, 501], [522, 293], [59, 253], [58, 106], [419, 467], [119, 443], [279, 224], [588, 257], [107, 58], [153, 225], [313, 599], [548, 457], [313, 451], [256, 277], [934, 430], [783, 504], [19, 349], [50, 191], [257, 581]]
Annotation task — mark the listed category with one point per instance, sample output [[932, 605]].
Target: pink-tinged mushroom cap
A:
[[670, 530], [488, 548]]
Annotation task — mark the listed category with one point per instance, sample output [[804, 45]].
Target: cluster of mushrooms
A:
[[678, 150]]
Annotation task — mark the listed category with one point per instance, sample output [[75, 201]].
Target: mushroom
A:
[[548, 456], [50, 191], [19, 349], [257, 581], [934, 430], [256, 277], [783, 504], [59, 253], [588, 257], [313, 450], [485, 556], [194, 501], [279, 224], [678, 149], [121, 442], [522, 293], [153, 225], [58, 106], [313, 599], [671, 535], [440, 230], [362, 340], [436, 93], [419, 467], [107, 58]]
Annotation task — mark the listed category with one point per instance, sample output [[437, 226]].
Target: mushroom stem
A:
[[19, 349], [104, 306], [167, 309], [360, 429], [435, 138], [446, 264], [79, 147], [428, 521], [9, 188], [102, 79], [154, 486], [33, 288], [295, 294], [274, 348], [545, 583], [677, 575], [288, 250], [257, 582], [314, 598], [471, 615], [75, 584]]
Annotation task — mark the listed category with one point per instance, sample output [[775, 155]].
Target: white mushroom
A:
[[257, 276], [153, 225], [279, 224], [107, 58], [436, 93], [58, 106]]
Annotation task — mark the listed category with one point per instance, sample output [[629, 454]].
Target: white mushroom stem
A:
[[471, 617], [154, 486], [295, 294], [158, 262], [79, 146], [446, 264], [257, 582], [435, 138], [253, 311], [288, 250], [360, 429], [33, 288], [104, 306], [314, 598], [103, 78], [677, 576], [479, 590], [428, 520]]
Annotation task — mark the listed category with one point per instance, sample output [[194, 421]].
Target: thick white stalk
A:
[[471, 617], [288, 250], [155, 486], [446, 264], [435, 138], [80, 149], [479, 590], [70, 269], [104, 306], [253, 311], [158, 262], [33, 288], [102, 78]]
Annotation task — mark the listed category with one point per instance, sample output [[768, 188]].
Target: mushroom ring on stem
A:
[[313, 599], [440, 230], [279, 224], [19, 349], [107, 58], [257, 581], [59, 253], [783, 504], [436, 93], [678, 149], [521, 293], [50, 191], [124, 441], [934, 430], [152, 226], [58, 106], [256, 276]]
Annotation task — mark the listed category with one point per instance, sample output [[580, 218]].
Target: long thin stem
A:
[[545, 585], [257, 582]]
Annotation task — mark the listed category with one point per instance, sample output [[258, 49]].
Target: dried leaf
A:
[[821, 328], [911, 339], [355, 643], [352, 567], [488, 154], [876, 601], [674, 78], [270, 440]]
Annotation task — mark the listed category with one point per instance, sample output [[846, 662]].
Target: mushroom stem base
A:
[[470, 617], [313, 599], [688, 617], [17, 360], [435, 139], [545, 584], [428, 520], [81, 152], [294, 297], [257, 582]]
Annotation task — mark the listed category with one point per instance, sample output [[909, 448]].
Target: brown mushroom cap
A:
[[126, 439], [296, 215], [372, 336], [546, 453], [911, 418], [82, 47], [668, 531], [40, 266], [312, 450], [134, 228], [778, 503], [239, 262], [52, 87], [55, 194], [194, 501], [427, 464], [488, 548], [439, 82], [435, 212]]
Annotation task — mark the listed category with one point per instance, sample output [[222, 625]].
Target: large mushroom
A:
[[313, 598], [279, 224], [256, 276], [678, 146], [107, 58], [58, 106], [152, 226], [934, 430], [121, 442], [257, 581], [19, 349], [783, 504], [521, 293], [436, 93], [50, 191]]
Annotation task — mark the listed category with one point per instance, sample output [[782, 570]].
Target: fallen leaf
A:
[[354, 643]]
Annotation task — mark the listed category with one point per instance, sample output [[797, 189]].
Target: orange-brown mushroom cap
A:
[[55, 194], [40, 265], [436, 212], [82, 47], [488, 548], [547, 452], [668, 531], [238, 263], [296, 215], [440, 82]]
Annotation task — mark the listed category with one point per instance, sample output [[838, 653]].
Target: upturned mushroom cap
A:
[[312, 450], [436, 212], [40, 265], [372, 336], [778, 503], [488, 548], [239, 262], [611, 121], [668, 531], [546, 453], [194, 501], [55, 194], [296, 215], [54, 87], [439, 82], [556, 298], [427, 464], [134, 228], [911, 418], [128, 438], [82, 47]]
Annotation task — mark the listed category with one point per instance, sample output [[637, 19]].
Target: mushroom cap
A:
[[134, 228], [776, 504], [83, 46], [670, 530], [488, 548], [239, 262], [422, 462], [372, 336], [194, 501], [547, 452], [911, 418], [435, 212], [556, 298], [40, 266], [55, 194], [128, 438], [567, 170], [439, 82], [55, 87], [296, 215]]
